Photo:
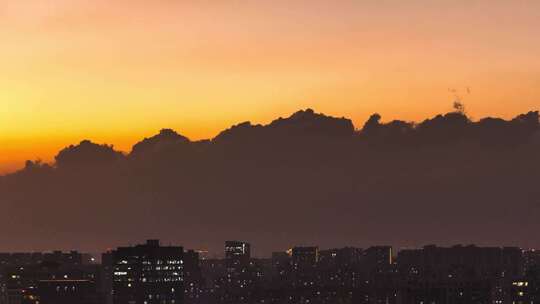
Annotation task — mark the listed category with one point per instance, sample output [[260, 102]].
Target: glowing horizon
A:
[[118, 72]]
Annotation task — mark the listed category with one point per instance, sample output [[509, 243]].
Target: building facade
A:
[[147, 274]]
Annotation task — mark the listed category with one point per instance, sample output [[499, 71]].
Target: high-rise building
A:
[[237, 254], [147, 274], [239, 281], [531, 260], [377, 259], [280, 260], [340, 257], [193, 279], [304, 256]]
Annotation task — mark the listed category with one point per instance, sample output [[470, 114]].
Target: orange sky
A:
[[116, 71]]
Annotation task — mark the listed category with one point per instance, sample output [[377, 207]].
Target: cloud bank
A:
[[305, 179]]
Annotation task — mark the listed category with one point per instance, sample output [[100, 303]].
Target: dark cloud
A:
[[305, 179], [87, 153], [166, 139]]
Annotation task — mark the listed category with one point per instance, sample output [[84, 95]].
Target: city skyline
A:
[[94, 257], [154, 273]]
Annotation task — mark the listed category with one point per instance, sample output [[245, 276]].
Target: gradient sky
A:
[[116, 71]]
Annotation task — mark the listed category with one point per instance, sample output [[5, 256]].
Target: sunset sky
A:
[[117, 71]]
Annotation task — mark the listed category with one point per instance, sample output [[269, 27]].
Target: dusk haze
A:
[[283, 152]]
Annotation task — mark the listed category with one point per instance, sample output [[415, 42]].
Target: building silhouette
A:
[[27, 278], [147, 274], [154, 274], [237, 254]]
